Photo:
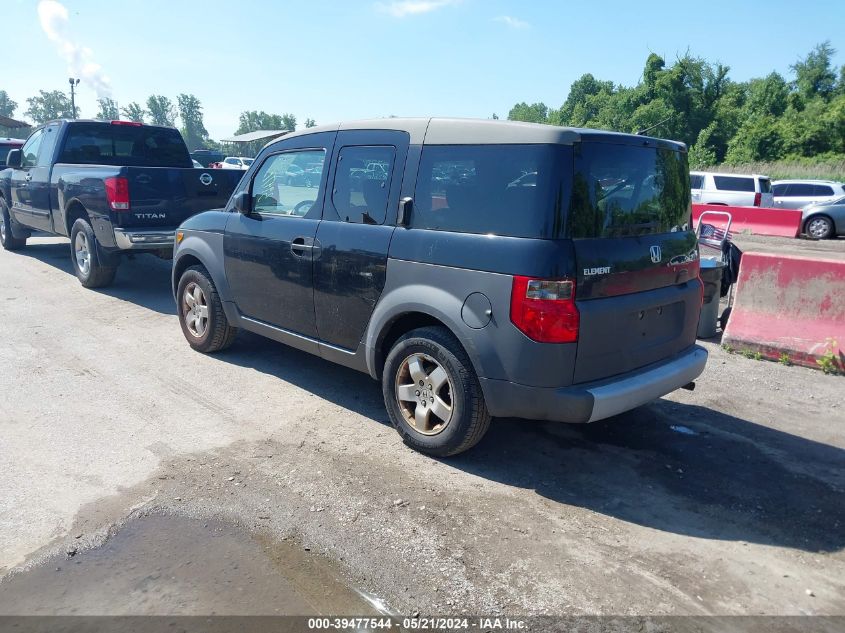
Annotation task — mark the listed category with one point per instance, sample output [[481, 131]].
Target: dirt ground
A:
[[725, 500]]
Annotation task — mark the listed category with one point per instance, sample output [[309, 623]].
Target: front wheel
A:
[[201, 315], [819, 227], [432, 393], [7, 240], [86, 263]]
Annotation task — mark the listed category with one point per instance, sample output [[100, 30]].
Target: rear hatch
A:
[[637, 287], [167, 196]]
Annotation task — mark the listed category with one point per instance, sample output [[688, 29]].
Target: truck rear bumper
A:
[[144, 239], [598, 400]]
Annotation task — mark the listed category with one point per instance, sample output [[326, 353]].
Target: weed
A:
[[784, 359], [749, 353], [758, 356], [727, 348], [829, 363]]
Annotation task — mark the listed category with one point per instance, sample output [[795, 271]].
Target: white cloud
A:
[[403, 8], [55, 23], [514, 23]]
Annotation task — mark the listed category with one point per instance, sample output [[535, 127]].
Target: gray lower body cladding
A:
[[590, 402]]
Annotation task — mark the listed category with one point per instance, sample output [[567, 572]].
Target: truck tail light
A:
[[544, 310], [758, 198], [129, 123], [117, 193]]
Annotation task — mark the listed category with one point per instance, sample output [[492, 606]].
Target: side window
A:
[[734, 183], [362, 183], [800, 189], [30, 149], [823, 190], [696, 181], [288, 183], [779, 190], [48, 145]]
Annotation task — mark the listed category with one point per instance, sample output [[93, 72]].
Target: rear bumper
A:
[[598, 400], [144, 239]]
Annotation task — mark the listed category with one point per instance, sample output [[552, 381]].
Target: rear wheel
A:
[[8, 241], [819, 227], [201, 315], [86, 263], [432, 393]]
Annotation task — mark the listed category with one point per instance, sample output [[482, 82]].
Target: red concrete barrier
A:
[[790, 305], [756, 220]]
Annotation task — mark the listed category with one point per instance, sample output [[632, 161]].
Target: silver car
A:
[[825, 219], [797, 194], [738, 190]]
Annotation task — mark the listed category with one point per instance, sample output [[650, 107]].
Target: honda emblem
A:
[[656, 255]]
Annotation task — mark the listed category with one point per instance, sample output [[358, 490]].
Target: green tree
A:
[[310, 123], [107, 110], [48, 106], [161, 111], [534, 113], [815, 75], [193, 128], [7, 106], [289, 122], [768, 96], [253, 120], [134, 112], [758, 139]]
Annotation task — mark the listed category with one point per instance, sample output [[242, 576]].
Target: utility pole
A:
[[73, 83]]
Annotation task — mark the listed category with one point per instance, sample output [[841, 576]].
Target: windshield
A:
[[628, 190], [105, 144]]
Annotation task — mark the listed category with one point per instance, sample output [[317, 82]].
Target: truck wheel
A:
[[432, 393], [201, 315], [9, 241], [83, 253]]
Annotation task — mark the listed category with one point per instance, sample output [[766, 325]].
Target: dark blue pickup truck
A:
[[112, 187]]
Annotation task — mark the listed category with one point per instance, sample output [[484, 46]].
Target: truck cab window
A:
[[30, 149]]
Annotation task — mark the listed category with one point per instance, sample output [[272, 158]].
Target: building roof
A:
[[258, 135], [12, 123]]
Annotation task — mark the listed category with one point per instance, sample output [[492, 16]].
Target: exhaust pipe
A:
[[690, 386]]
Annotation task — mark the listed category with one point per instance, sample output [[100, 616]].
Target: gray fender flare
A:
[[208, 249]]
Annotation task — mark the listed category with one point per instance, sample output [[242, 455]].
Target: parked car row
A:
[[467, 297], [820, 200]]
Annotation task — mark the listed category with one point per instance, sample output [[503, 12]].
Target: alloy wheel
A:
[[818, 227], [424, 394], [82, 252], [195, 310]]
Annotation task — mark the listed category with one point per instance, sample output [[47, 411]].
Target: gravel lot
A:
[[725, 500]]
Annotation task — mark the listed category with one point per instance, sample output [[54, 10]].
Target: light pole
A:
[[73, 84]]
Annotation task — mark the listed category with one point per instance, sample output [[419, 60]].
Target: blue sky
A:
[[333, 60]]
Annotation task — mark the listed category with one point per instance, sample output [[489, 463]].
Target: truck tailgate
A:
[[166, 196]]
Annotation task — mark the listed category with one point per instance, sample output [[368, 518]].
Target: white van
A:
[[738, 190]]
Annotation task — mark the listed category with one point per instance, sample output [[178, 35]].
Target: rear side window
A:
[[800, 189], [696, 181], [362, 183], [765, 185], [106, 144], [734, 183], [511, 190], [822, 190], [4, 152]]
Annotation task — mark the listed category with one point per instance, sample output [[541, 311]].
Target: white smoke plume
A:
[[80, 60]]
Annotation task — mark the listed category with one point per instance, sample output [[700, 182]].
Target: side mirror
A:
[[14, 158], [406, 206], [242, 202]]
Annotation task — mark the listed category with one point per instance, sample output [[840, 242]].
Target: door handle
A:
[[299, 246]]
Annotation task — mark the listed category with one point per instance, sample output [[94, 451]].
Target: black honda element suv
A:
[[475, 268]]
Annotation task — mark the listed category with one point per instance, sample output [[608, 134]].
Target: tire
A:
[[819, 227], [726, 315], [83, 254], [433, 353], [206, 330], [8, 241]]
